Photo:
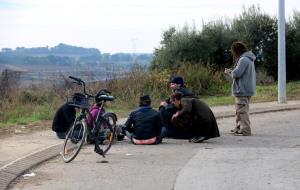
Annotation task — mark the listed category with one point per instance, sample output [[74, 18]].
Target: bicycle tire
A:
[[108, 127], [75, 138]]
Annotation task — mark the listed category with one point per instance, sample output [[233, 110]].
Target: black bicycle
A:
[[103, 132]]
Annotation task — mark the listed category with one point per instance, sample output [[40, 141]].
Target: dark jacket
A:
[[167, 112], [144, 123], [202, 118], [63, 119], [184, 91]]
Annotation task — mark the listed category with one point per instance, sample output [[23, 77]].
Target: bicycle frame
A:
[[80, 132]]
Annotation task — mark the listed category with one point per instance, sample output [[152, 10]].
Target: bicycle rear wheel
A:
[[74, 141], [107, 132]]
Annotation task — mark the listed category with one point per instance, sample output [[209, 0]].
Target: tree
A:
[[293, 47], [259, 31]]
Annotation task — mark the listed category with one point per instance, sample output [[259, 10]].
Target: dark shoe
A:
[[236, 129], [241, 134], [74, 140], [197, 139], [233, 130], [120, 137], [90, 139]]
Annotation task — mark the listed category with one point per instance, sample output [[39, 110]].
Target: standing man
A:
[[243, 86]]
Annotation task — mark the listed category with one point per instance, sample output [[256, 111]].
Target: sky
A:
[[112, 26]]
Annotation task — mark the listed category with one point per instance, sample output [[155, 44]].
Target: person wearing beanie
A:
[[143, 125], [177, 85], [178, 80], [167, 110]]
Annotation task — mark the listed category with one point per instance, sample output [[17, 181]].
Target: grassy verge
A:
[[24, 112], [264, 93]]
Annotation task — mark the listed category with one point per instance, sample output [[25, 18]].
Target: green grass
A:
[[264, 93], [30, 112]]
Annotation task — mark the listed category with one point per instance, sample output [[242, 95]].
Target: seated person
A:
[[95, 110], [63, 120], [167, 110], [201, 124], [143, 125]]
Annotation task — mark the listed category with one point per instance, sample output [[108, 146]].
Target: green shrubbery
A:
[[211, 45]]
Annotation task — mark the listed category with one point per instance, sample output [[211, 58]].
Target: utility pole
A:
[[281, 53]]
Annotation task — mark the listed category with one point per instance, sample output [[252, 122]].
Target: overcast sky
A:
[[112, 25]]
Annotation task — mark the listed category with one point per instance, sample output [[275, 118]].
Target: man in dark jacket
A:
[[63, 119], [202, 124], [167, 110], [144, 124]]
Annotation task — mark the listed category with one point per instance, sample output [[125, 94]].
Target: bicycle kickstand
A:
[[99, 150]]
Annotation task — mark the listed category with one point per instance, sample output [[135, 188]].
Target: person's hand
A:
[[175, 115], [163, 104], [227, 71]]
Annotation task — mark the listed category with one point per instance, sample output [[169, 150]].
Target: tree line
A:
[[210, 46], [64, 54]]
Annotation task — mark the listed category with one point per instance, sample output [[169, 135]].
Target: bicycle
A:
[[104, 130]]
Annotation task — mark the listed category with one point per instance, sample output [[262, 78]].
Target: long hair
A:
[[237, 49]]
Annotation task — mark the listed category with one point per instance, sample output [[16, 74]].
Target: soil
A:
[[9, 130]]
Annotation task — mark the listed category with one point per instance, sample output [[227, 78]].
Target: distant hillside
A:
[[64, 54]]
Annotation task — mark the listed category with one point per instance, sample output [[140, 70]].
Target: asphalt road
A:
[[267, 160]]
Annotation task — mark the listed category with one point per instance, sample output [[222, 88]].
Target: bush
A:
[[202, 80], [262, 78]]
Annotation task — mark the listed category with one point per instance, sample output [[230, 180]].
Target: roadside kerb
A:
[[220, 115], [13, 170]]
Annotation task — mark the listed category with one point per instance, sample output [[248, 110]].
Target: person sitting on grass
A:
[[201, 124], [143, 125]]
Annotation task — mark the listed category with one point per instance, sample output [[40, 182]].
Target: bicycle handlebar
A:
[[78, 80], [81, 82]]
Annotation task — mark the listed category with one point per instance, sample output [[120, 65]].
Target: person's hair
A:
[[237, 49], [176, 96], [145, 100]]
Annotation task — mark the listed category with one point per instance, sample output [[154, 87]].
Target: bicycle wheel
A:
[[107, 132], [74, 140]]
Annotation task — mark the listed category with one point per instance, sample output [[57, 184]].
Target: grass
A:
[[24, 112], [264, 93], [23, 116]]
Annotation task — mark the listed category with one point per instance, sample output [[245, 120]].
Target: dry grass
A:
[[23, 106]]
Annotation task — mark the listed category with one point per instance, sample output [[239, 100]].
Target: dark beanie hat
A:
[[145, 100], [177, 80]]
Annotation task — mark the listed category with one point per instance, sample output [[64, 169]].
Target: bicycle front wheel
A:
[[74, 141], [107, 132]]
